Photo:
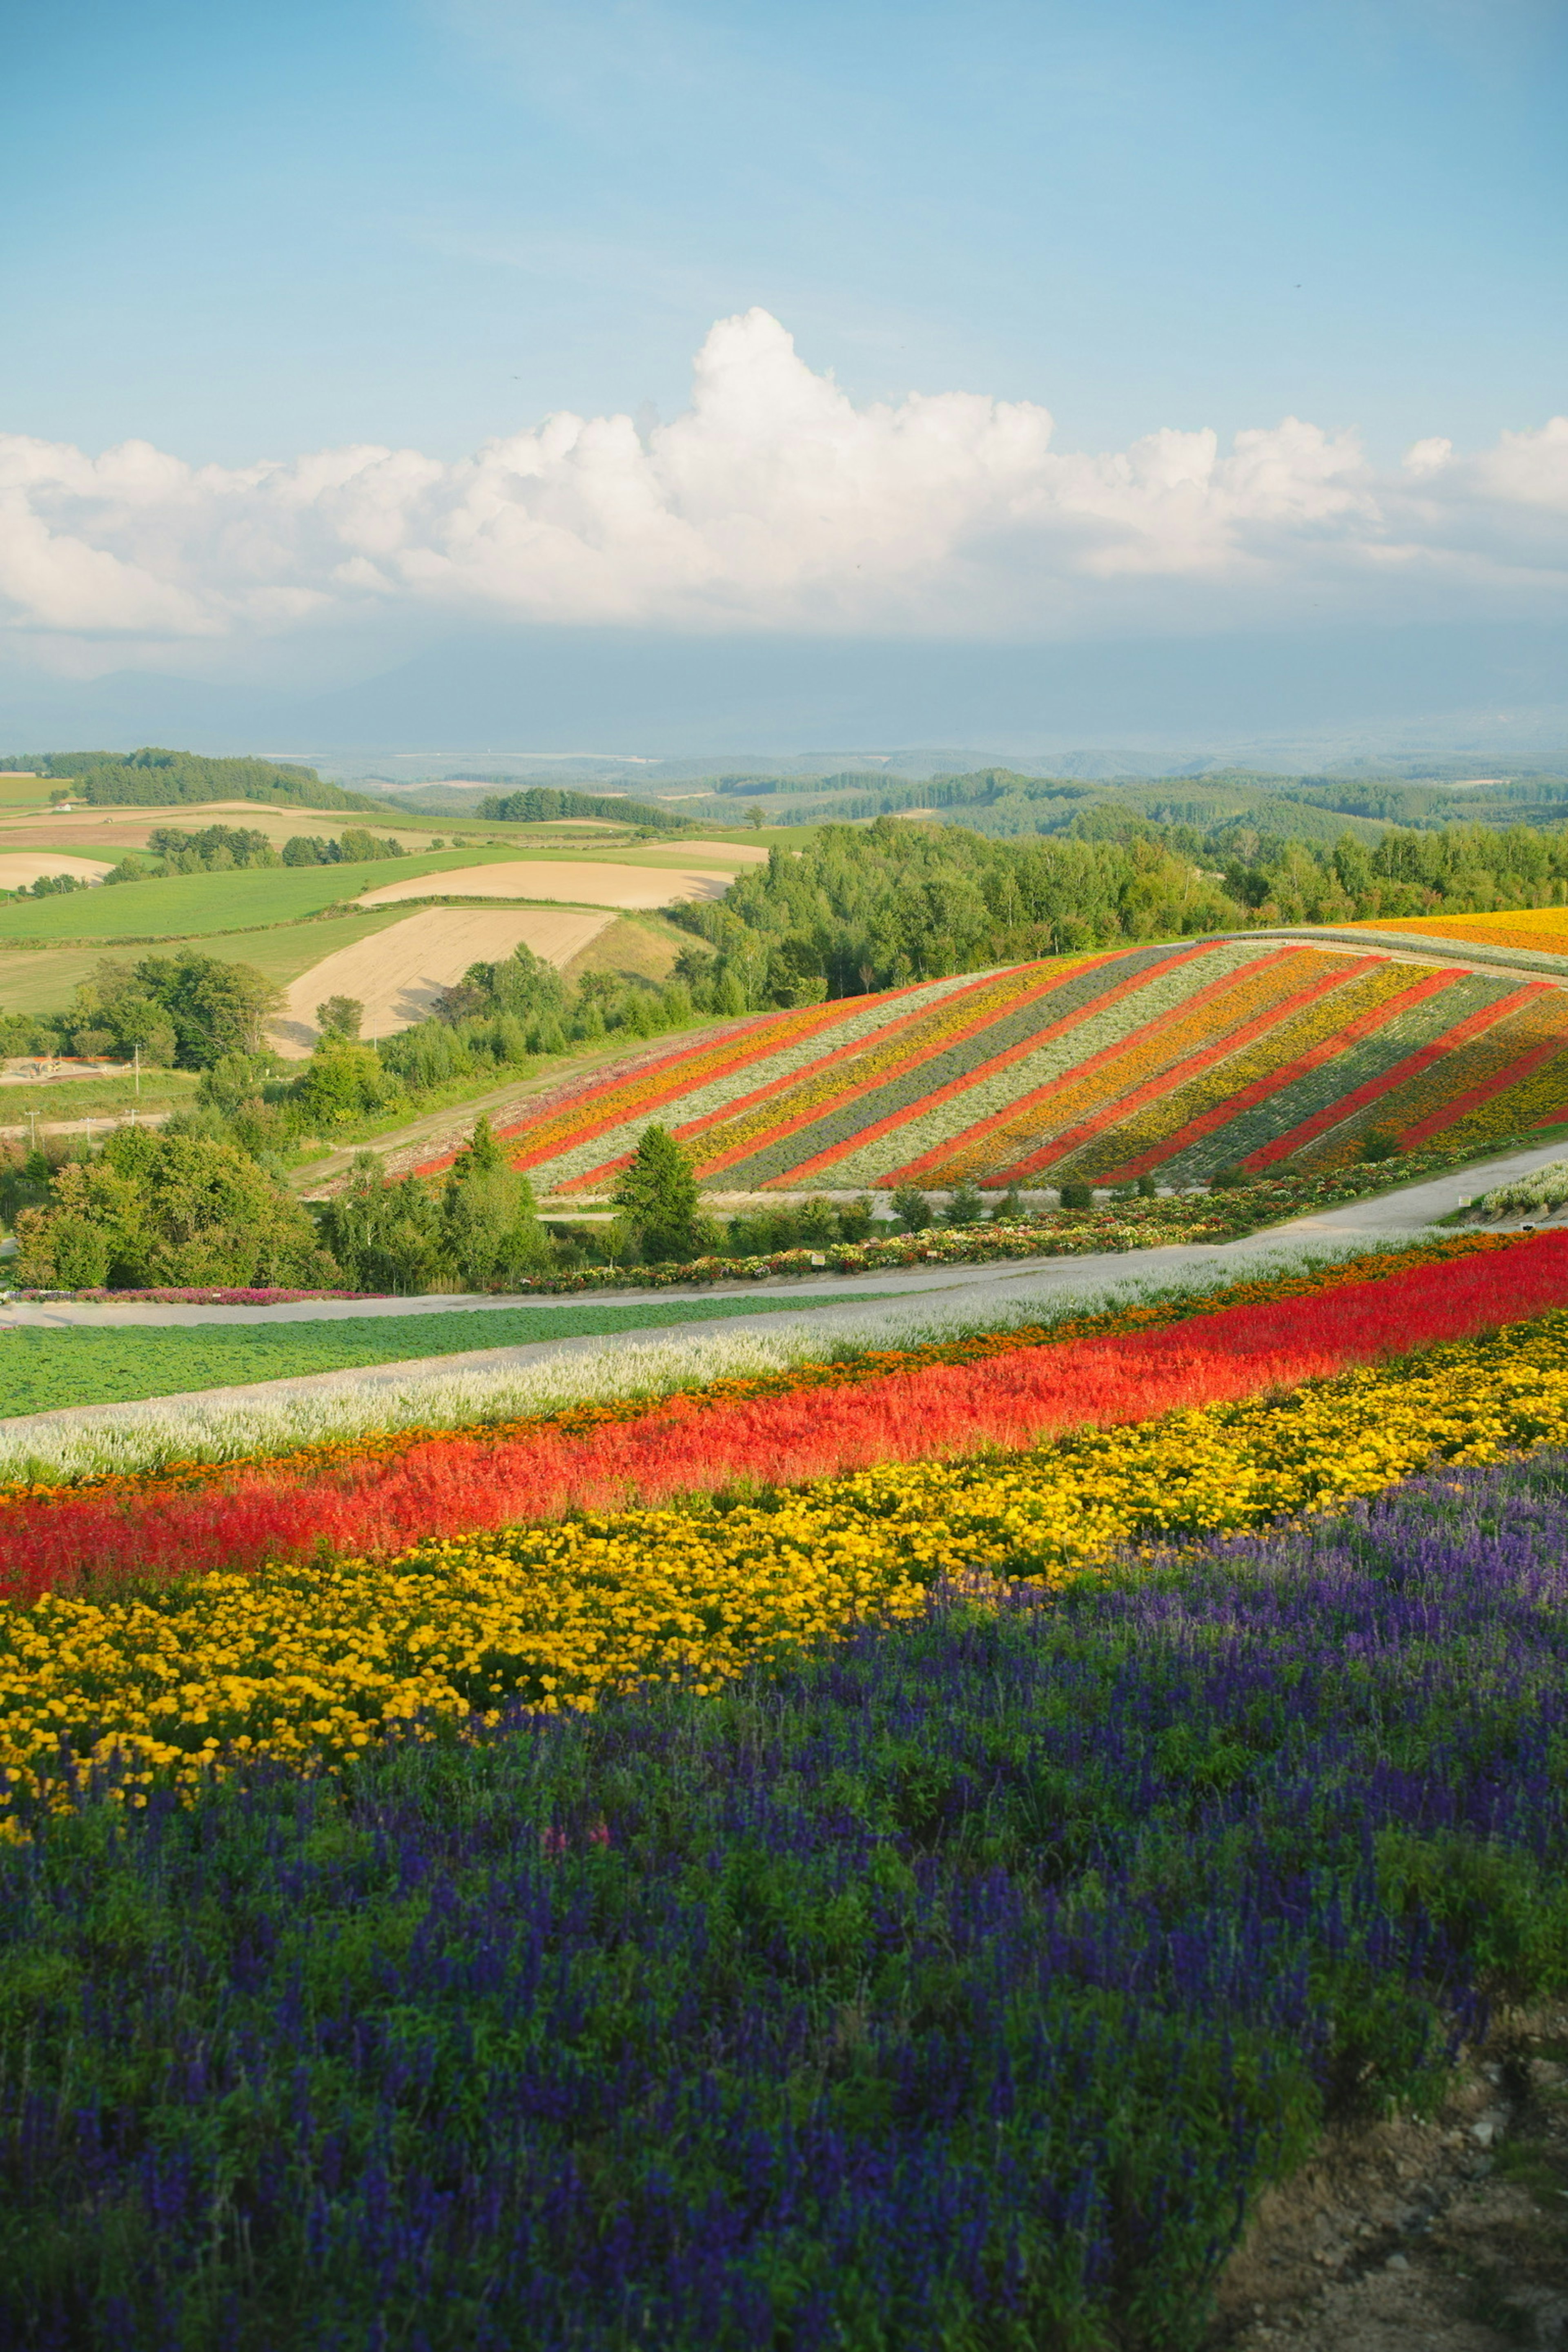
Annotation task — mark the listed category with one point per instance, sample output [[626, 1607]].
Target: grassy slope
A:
[[64, 1099], [42, 980], [193, 906], [40, 1371], [635, 947]]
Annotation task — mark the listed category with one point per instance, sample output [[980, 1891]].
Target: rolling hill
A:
[[1173, 1061]]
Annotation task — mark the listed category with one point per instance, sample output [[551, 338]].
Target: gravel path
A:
[[1391, 1216]]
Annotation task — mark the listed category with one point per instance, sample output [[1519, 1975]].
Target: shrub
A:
[[179, 1210], [965, 1208], [343, 1080], [912, 1208]]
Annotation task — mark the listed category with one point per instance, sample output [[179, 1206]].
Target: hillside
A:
[[151, 777], [1175, 1061]]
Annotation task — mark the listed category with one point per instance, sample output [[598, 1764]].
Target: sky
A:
[[339, 336]]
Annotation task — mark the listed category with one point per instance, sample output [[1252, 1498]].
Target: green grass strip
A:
[[42, 1370]]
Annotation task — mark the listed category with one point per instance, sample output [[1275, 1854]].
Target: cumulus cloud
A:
[[775, 502]]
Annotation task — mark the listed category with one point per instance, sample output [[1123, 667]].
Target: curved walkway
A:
[[1409, 1209], [1389, 1219]]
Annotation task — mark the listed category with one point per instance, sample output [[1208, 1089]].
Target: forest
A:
[[877, 906], [151, 777]]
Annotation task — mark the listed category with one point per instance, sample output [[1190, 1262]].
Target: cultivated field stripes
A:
[[1029, 1135], [880, 1153], [1404, 1046], [1479, 1099], [1540, 930], [1454, 1079], [444, 1485], [1254, 1414], [1416, 1017], [731, 1141], [1196, 1048], [1232, 1102], [166, 1436], [1125, 992], [874, 1094], [582, 1130], [1536, 1096]]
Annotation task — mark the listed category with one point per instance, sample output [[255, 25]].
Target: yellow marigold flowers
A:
[[308, 1663]]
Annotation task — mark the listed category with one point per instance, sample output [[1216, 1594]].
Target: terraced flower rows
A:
[[1175, 1060], [917, 1908], [1541, 931], [557, 1564]]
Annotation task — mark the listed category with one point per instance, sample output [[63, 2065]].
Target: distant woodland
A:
[[155, 778], [874, 905]]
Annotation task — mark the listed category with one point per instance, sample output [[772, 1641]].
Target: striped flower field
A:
[[1171, 1061], [890, 1854]]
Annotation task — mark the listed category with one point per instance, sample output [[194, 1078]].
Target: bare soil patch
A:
[[579, 882], [1447, 2233], [128, 828], [398, 973], [19, 868]]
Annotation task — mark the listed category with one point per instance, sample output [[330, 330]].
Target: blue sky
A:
[[244, 234]]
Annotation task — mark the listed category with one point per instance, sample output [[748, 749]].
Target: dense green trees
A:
[[354, 847], [873, 906], [541, 803], [154, 1209], [188, 1009], [153, 778]]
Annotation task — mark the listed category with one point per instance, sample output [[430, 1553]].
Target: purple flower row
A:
[[960, 1985]]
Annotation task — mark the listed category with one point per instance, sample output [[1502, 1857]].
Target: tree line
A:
[[153, 778], [878, 905], [544, 804], [222, 848]]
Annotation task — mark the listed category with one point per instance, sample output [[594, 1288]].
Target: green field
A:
[[40, 1371], [42, 980], [52, 1099], [194, 905]]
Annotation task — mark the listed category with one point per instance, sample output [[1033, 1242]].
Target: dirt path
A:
[[1447, 2233], [1390, 1218]]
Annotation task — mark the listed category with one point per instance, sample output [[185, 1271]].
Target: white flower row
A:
[[717, 1093], [927, 1130], [131, 1438]]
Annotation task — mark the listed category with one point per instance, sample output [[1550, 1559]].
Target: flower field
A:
[[554, 1563], [1171, 1061], [1543, 930], [1009, 1389], [912, 1958]]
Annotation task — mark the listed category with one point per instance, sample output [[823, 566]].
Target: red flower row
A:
[[449, 1484]]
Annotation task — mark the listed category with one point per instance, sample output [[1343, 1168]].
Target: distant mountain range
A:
[[592, 707]]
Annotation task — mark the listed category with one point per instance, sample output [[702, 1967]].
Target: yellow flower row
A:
[[1543, 930], [310, 1664], [1296, 1033]]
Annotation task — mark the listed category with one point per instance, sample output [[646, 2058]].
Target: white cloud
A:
[[775, 502]]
